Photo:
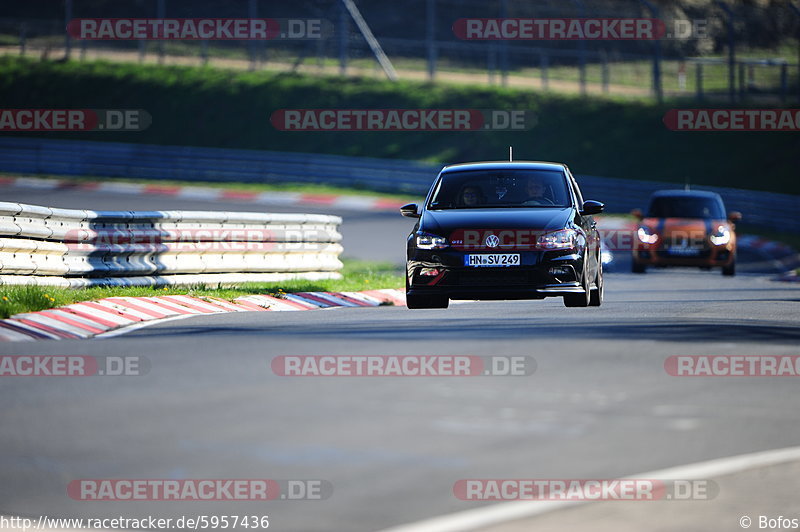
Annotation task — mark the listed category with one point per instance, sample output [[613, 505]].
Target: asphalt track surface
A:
[[600, 404]]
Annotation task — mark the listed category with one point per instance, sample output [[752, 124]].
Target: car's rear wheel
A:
[[579, 300], [730, 269], [638, 267], [596, 296]]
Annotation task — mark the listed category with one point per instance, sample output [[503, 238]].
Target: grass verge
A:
[[356, 275]]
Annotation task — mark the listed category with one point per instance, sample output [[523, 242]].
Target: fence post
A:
[[544, 62], [504, 47], [582, 67], [682, 75], [797, 12], [23, 34], [67, 37], [657, 83], [699, 73], [161, 10], [742, 82], [321, 55], [581, 50], [784, 82], [343, 31], [658, 88], [491, 61], [430, 37], [731, 51], [252, 12]]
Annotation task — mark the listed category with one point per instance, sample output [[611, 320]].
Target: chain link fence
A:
[[709, 50]]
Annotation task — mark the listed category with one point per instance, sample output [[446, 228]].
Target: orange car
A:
[[685, 228]]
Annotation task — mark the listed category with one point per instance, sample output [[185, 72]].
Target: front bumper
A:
[[532, 279], [708, 256]]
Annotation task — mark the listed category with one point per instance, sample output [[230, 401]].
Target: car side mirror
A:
[[592, 207], [637, 213], [734, 216], [410, 210]]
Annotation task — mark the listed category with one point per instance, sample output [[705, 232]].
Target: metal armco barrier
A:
[[42, 245], [143, 161]]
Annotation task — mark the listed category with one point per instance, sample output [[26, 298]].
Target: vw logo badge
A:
[[492, 241]]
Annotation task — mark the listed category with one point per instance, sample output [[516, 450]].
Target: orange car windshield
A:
[[685, 207]]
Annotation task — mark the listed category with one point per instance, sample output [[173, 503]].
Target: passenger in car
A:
[[470, 196]]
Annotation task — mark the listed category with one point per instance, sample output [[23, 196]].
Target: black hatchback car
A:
[[504, 230]]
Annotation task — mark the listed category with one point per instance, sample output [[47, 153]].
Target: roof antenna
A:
[[510, 154], [686, 186]]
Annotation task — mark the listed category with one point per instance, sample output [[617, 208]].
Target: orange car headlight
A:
[[721, 236]]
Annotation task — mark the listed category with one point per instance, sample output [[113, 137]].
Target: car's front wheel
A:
[[730, 269], [417, 301], [414, 301], [579, 300]]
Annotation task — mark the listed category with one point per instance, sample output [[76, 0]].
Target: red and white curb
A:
[[93, 318], [338, 201]]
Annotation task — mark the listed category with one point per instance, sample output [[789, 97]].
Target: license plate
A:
[[684, 252], [495, 259]]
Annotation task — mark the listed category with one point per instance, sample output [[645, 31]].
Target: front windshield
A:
[[476, 189], [685, 207]]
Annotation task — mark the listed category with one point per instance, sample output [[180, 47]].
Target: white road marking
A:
[[512, 511], [142, 324]]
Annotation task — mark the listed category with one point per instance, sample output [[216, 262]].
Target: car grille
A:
[[491, 277], [703, 254]]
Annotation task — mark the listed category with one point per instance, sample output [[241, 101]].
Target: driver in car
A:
[[536, 193]]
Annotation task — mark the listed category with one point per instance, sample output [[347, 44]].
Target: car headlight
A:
[[429, 241], [721, 236], [562, 239], [646, 236]]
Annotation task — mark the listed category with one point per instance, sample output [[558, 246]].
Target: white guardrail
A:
[[77, 248]]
